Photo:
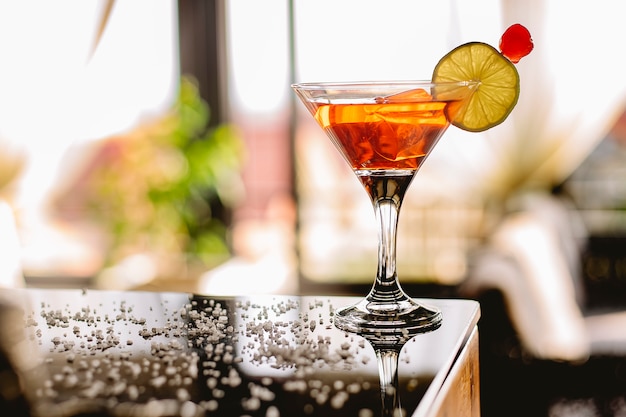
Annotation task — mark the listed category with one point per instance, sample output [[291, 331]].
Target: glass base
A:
[[388, 320]]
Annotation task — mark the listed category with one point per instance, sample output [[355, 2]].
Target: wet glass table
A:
[[104, 353]]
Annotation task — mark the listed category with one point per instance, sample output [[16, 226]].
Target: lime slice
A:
[[497, 91]]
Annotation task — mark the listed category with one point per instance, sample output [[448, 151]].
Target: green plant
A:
[[164, 188]]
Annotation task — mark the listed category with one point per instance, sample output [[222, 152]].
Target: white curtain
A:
[[58, 90]]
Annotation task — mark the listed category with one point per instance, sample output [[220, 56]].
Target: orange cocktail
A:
[[395, 132]]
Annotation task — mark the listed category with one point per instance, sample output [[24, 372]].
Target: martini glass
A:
[[385, 131]]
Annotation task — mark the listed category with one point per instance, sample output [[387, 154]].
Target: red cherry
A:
[[516, 43]]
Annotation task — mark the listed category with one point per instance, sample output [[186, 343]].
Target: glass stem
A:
[[388, 373], [387, 212], [387, 193]]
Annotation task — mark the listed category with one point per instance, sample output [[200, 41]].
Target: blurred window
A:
[[67, 80]]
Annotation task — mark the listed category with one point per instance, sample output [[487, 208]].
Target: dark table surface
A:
[[87, 352]]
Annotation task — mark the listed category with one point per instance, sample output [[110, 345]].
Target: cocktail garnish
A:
[[516, 43], [497, 92]]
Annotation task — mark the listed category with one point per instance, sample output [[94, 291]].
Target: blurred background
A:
[[156, 145]]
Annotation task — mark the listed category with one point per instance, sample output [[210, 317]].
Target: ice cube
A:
[[417, 94]]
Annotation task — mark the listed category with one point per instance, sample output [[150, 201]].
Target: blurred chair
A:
[[11, 275], [13, 400], [533, 258]]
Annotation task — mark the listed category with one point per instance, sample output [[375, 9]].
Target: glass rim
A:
[[323, 85]]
